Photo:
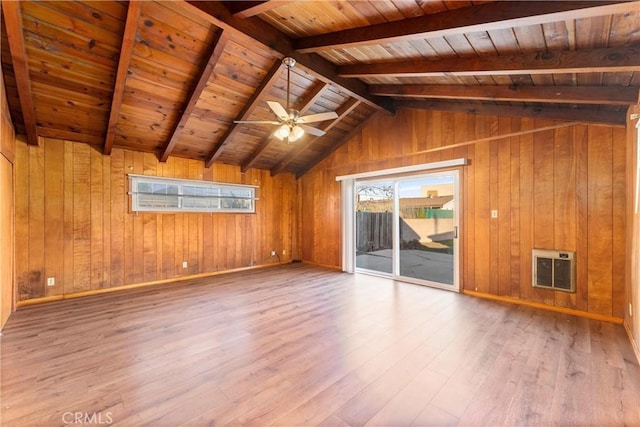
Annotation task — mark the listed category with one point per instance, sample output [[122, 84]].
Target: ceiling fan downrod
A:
[[289, 63], [289, 130]]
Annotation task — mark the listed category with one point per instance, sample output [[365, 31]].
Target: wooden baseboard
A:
[[634, 344], [594, 316], [41, 300], [35, 301], [333, 267]]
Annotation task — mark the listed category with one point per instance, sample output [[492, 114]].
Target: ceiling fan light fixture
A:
[[282, 132], [296, 134]]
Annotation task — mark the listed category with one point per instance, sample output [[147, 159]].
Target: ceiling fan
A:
[[292, 125]]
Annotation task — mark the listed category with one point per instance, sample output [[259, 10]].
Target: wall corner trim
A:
[[634, 345]]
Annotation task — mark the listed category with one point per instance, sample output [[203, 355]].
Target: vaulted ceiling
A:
[[172, 77]]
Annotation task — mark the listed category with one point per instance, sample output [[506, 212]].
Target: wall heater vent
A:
[[554, 270]]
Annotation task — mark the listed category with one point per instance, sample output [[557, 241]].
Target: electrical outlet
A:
[[284, 252], [51, 281], [494, 213], [184, 264], [273, 253]]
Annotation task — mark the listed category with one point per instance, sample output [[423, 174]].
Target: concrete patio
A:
[[424, 265]]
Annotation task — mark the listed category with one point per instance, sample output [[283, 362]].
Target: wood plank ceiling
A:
[[171, 77]]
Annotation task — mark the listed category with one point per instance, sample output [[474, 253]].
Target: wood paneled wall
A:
[[73, 222], [7, 144], [632, 288], [561, 188]]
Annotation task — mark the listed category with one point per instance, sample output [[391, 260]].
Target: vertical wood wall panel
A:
[[6, 239], [106, 223], [128, 224], [467, 264], [73, 212], [36, 223], [619, 219], [556, 189], [138, 229], [96, 221], [150, 233], [7, 191], [81, 216], [494, 230], [118, 203], [68, 227], [54, 216], [632, 233], [543, 195], [514, 212], [564, 202], [21, 210], [600, 226], [481, 171], [503, 178], [581, 138], [207, 231], [526, 209]]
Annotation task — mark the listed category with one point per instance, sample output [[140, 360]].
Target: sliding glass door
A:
[[407, 228], [427, 229], [374, 226]]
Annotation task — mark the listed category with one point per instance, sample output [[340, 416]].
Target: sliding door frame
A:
[[348, 183]]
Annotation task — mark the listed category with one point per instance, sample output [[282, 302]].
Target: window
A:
[[155, 194]]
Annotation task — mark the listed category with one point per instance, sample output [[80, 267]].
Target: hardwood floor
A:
[[302, 345]]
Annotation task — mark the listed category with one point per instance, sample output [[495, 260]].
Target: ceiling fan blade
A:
[[311, 130], [270, 122], [320, 117], [278, 110]]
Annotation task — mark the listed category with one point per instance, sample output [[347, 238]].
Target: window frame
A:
[[214, 197]]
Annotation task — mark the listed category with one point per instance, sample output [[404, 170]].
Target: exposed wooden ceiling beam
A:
[[256, 30], [247, 9], [311, 98], [327, 152], [342, 112], [267, 83], [614, 59], [15, 37], [126, 50], [570, 114], [253, 157], [485, 17], [612, 95], [217, 47]]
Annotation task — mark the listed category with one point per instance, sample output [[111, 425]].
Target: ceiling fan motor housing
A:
[[293, 114]]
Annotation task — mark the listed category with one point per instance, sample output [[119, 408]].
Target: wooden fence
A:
[[374, 231]]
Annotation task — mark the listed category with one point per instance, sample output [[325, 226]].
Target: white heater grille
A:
[[554, 269]]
